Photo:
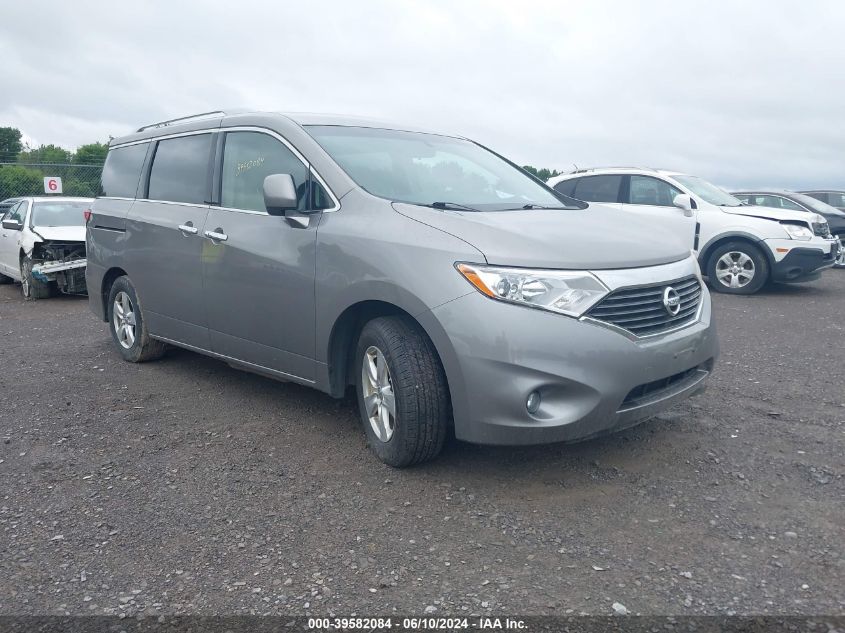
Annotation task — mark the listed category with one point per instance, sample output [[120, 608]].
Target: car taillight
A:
[[87, 214]]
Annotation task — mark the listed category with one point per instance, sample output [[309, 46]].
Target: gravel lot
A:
[[185, 486]]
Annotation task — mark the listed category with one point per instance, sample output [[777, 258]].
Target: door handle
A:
[[188, 229], [217, 235]]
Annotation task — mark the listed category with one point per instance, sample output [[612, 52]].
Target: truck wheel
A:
[[127, 325], [403, 396], [5, 280], [738, 268], [31, 287], [840, 260]]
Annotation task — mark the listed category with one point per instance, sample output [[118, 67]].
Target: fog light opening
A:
[[533, 402]]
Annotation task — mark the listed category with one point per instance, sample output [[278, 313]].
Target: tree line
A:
[[23, 168]]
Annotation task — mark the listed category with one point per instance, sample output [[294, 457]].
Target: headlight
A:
[[566, 292], [797, 231]]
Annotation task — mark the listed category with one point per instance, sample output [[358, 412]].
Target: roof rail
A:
[[586, 169], [181, 120]]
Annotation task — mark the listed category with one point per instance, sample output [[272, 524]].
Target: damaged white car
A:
[[42, 245]]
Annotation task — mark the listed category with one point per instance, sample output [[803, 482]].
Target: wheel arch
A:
[[105, 288], [707, 251], [340, 355]]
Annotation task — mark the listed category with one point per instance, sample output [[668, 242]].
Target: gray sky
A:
[[742, 93]]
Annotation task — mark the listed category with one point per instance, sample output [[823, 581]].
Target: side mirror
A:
[[685, 202], [12, 225], [279, 194]]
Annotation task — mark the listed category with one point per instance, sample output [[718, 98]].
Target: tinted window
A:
[[836, 199], [59, 213], [813, 204], [598, 188], [180, 169], [829, 198], [248, 158], [567, 187], [122, 171], [647, 190]]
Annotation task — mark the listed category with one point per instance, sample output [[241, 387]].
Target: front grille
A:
[[821, 229], [641, 310], [655, 388]]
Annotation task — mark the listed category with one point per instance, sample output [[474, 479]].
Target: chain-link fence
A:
[[27, 179]]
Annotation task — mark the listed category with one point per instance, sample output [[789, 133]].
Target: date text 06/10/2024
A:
[[416, 624]]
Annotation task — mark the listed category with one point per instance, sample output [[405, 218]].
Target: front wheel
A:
[[127, 325], [738, 268], [840, 259], [403, 396], [32, 288]]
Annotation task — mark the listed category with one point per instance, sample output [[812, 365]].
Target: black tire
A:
[[142, 347], [5, 280], [840, 261], [31, 288], [419, 387], [758, 263]]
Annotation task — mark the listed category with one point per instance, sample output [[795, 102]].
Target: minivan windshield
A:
[[58, 213], [708, 191], [432, 170]]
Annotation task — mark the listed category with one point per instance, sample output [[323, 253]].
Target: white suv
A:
[[739, 247]]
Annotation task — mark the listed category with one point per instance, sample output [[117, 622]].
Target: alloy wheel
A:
[[123, 319], [379, 399], [735, 269]]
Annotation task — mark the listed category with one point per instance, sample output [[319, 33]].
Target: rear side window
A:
[[122, 171], [180, 169], [567, 187], [598, 188]]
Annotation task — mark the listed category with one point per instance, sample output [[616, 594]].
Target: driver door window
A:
[[17, 212], [652, 192], [248, 158]]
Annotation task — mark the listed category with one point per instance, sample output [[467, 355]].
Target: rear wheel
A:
[[402, 392], [4, 279], [127, 325], [31, 287], [738, 268]]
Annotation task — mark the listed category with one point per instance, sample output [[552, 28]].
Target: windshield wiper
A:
[[452, 206]]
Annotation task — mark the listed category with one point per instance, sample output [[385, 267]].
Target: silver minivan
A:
[[452, 290]]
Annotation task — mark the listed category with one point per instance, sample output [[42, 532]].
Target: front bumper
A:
[[806, 262], [592, 380]]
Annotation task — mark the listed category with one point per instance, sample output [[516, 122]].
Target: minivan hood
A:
[[61, 233], [594, 238], [770, 213]]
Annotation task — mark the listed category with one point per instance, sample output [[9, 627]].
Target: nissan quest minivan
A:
[[739, 247], [453, 290]]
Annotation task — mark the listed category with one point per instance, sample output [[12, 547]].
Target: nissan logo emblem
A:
[[671, 300]]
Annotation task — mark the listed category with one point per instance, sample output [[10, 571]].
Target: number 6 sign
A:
[[52, 184]]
